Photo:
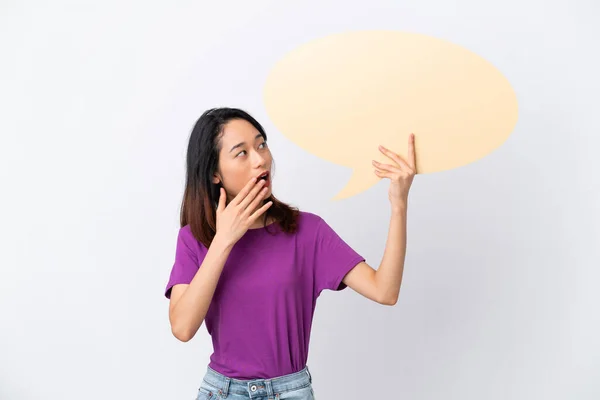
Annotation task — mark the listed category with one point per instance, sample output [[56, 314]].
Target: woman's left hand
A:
[[401, 174]]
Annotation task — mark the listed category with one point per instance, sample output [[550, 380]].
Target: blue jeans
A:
[[296, 386]]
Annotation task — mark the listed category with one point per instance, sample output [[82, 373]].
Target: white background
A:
[[500, 294]]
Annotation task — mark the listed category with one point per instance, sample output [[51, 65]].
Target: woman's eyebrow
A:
[[242, 143]]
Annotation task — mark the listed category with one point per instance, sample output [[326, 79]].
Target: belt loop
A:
[[269, 387], [225, 390], [309, 375]]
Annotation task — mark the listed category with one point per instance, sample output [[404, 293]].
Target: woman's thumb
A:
[[221, 199]]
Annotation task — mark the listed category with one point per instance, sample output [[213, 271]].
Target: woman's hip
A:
[[295, 386]]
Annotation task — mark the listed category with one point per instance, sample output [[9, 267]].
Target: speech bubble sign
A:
[[341, 96]]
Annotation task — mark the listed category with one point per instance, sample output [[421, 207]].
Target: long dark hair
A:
[[201, 195]]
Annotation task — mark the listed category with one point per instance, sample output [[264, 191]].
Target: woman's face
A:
[[244, 155]]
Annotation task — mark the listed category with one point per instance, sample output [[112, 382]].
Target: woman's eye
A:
[[263, 144]]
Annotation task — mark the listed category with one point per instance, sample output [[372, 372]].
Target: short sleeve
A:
[[188, 257], [334, 258]]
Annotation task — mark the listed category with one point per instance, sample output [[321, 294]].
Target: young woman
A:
[[252, 267]]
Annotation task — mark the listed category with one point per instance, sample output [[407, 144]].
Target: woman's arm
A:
[[383, 285], [390, 271], [190, 302]]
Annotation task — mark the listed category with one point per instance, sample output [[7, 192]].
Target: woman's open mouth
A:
[[266, 177]]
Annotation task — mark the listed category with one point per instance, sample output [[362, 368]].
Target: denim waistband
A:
[[258, 387]]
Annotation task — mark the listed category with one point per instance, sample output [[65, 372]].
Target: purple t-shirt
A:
[[261, 314]]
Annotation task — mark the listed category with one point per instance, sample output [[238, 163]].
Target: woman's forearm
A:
[[190, 310], [390, 271]]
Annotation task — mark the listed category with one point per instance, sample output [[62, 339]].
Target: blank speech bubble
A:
[[341, 96]]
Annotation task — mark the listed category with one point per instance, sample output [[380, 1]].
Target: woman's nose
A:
[[259, 160]]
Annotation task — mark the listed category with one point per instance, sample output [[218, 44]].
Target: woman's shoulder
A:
[[309, 218], [186, 236], [185, 232], [311, 224]]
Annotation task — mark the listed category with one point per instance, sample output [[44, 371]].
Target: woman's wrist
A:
[[222, 243]]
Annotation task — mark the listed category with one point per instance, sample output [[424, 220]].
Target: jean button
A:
[[253, 388]]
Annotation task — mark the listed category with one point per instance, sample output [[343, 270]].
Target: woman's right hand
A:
[[236, 218]]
